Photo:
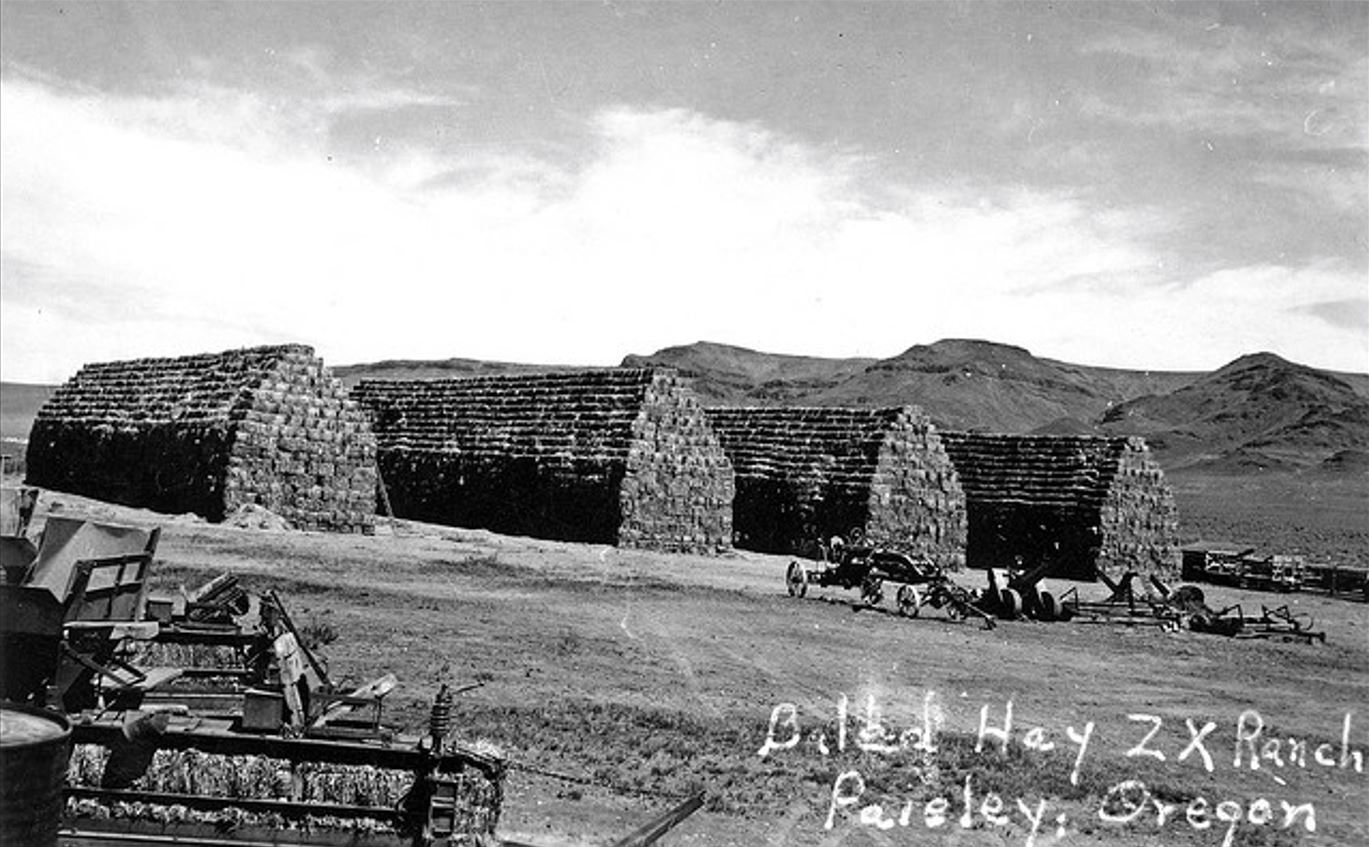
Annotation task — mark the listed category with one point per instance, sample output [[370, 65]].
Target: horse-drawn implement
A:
[[920, 582], [1021, 594]]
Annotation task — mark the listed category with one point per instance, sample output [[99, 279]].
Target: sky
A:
[[1139, 185]]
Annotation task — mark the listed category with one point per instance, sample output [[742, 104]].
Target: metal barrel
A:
[[35, 745]]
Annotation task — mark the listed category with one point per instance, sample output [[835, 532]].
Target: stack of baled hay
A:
[[1078, 502], [805, 474], [622, 456], [192, 777], [208, 434]]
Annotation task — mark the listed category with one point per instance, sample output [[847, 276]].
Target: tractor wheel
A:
[[909, 601], [796, 580], [872, 591], [1009, 604], [1049, 608]]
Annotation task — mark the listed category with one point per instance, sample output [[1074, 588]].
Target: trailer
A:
[[1338, 580], [1220, 565]]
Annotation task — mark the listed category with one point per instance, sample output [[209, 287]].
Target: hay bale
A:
[[621, 456], [810, 473], [267, 426], [1080, 502]]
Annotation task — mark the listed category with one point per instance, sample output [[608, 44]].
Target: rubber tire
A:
[[1049, 607], [909, 601], [796, 580], [1009, 604]]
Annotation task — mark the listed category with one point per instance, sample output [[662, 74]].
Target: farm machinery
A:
[[920, 582], [1185, 607], [250, 741], [1242, 568], [1280, 622], [1020, 593]]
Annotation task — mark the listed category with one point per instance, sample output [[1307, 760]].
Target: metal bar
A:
[[248, 804], [308, 654], [197, 836], [653, 829], [223, 742]]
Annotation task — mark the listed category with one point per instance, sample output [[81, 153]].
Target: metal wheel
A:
[[796, 580], [872, 591], [909, 600]]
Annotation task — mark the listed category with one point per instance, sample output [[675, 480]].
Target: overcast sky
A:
[[1142, 185]]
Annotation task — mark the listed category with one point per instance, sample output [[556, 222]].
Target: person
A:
[[835, 548]]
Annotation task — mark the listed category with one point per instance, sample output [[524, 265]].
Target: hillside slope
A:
[[960, 383], [350, 375], [969, 384], [735, 376], [1260, 411]]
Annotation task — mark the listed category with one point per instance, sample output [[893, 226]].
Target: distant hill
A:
[[439, 369], [735, 376], [961, 384], [968, 384], [19, 404], [1258, 411]]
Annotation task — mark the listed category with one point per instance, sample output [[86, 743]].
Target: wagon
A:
[[920, 581]]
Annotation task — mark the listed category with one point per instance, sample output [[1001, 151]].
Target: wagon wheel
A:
[[909, 601], [872, 590], [796, 580]]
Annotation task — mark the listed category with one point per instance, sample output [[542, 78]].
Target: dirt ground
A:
[[635, 678]]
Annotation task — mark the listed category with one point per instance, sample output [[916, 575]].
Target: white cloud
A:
[[134, 227]]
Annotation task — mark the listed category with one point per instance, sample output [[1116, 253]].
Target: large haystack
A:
[[805, 474], [208, 434], [610, 456], [1078, 501]]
